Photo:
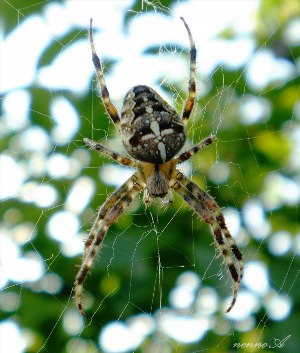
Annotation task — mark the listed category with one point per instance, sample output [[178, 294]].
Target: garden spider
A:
[[152, 134]]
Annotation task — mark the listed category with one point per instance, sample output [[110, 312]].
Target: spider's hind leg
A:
[[110, 108], [189, 104]]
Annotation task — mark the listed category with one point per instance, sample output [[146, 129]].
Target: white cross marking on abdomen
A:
[[157, 135]]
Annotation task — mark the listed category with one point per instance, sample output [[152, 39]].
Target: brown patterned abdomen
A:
[[152, 131]]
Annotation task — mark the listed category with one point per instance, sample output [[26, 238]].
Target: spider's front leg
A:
[[207, 208], [108, 214]]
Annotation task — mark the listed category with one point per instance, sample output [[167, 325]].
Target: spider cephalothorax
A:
[[153, 133]]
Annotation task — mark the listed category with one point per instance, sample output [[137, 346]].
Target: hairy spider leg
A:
[[110, 108], [234, 249], [191, 152], [209, 211], [108, 214], [189, 104], [210, 201], [108, 152], [107, 206]]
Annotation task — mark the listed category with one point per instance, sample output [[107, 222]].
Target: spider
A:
[[152, 134]]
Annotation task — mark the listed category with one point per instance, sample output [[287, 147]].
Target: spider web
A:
[[158, 272]]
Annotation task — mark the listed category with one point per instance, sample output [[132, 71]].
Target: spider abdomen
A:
[[152, 131]]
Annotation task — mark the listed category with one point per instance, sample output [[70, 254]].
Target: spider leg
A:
[[234, 249], [110, 108], [107, 215], [211, 203], [188, 107], [102, 149], [191, 152], [108, 205], [210, 212]]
